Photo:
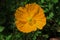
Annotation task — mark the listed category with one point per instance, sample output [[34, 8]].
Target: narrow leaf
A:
[[1, 28]]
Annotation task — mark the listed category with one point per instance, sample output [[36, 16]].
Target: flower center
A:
[[31, 21]]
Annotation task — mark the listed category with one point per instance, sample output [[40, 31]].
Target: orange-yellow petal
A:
[[32, 8], [40, 19], [26, 28], [41, 23], [21, 14]]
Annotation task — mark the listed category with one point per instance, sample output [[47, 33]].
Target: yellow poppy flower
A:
[[30, 18]]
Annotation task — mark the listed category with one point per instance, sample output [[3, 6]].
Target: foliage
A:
[[8, 30]]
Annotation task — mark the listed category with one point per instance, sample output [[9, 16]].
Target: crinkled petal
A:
[[27, 28]]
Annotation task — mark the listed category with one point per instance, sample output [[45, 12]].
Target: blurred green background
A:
[[8, 30]]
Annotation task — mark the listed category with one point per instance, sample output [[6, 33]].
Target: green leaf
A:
[[8, 37], [50, 15], [47, 0], [46, 10], [1, 28], [59, 23], [50, 5], [18, 35], [54, 1], [1, 37], [42, 1], [37, 33], [22, 3]]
